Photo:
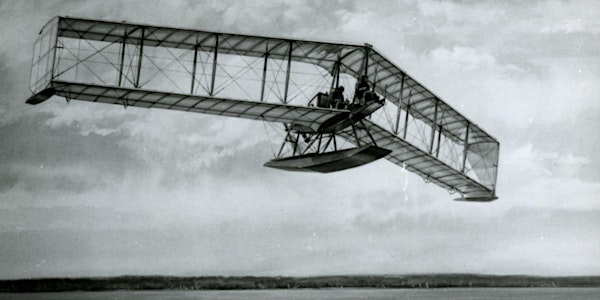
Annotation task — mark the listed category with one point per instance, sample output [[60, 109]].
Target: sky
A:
[[97, 190]]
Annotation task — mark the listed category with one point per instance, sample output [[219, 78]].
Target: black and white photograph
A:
[[308, 149]]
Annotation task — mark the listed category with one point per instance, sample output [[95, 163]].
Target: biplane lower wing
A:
[[422, 163], [302, 116]]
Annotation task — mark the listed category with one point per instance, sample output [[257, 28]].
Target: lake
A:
[[327, 294]]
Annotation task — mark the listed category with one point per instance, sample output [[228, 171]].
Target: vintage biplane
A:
[[382, 112]]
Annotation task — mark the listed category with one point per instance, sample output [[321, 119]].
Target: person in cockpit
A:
[[361, 88], [337, 97]]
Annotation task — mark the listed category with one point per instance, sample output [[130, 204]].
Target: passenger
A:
[[371, 96], [361, 88], [337, 98], [367, 95]]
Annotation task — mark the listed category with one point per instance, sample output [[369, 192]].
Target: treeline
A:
[[237, 283]]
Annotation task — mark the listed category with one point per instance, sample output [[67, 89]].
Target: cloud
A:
[[44, 160], [568, 26], [457, 12], [302, 246], [512, 239], [464, 57], [541, 178], [61, 217]]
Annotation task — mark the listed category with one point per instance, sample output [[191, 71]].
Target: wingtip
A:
[[41, 96]]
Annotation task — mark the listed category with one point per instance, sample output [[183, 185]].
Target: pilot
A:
[[337, 97], [361, 87], [370, 96]]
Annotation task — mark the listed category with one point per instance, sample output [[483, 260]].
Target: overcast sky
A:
[[96, 190]]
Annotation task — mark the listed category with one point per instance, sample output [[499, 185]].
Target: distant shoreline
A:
[[259, 283]]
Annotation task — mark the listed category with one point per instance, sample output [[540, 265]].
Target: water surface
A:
[[327, 294]]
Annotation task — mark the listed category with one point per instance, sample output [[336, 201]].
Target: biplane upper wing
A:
[[120, 63], [445, 147]]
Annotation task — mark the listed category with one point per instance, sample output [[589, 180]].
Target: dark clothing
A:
[[338, 98], [361, 88]]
